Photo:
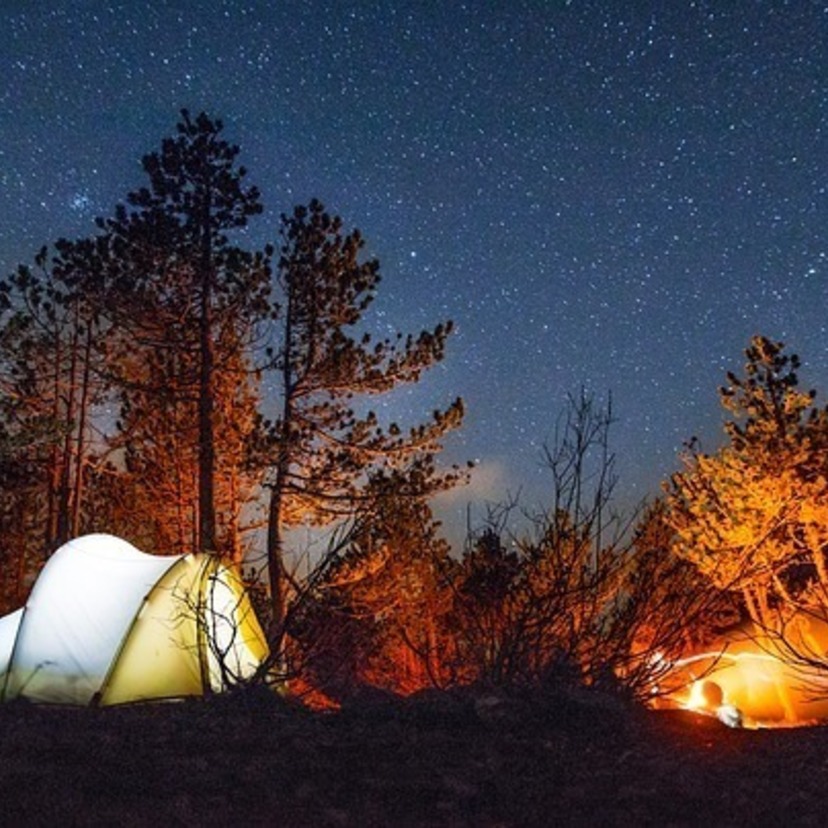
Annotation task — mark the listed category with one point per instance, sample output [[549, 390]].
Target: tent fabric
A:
[[8, 634], [106, 623]]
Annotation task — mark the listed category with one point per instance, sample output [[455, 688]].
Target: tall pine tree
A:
[[324, 448], [189, 298]]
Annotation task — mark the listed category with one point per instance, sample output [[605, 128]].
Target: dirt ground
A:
[[439, 760]]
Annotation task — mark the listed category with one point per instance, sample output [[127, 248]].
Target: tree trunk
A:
[[206, 445], [71, 424], [54, 472], [275, 565], [83, 413], [232, 526], [275, 539]]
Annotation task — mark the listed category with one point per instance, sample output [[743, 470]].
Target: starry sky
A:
[[608, 195]]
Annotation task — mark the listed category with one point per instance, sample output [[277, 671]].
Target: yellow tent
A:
[[107, 624]]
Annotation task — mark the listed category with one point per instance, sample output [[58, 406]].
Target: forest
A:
[[161, 382]]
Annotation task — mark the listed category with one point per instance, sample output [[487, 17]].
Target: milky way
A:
[[608, 195]]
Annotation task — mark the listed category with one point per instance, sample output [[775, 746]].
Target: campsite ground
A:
[[478, 759]]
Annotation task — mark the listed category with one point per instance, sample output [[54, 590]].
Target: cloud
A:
[[464, 508], [489, 483]]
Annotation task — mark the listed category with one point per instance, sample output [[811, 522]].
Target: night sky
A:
[[608, 195]]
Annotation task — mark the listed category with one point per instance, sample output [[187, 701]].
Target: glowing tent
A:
[[754, 672], [106, 624]]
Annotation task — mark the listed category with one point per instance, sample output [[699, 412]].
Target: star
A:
[[597, 194]]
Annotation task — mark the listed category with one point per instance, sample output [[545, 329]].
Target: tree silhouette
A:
[[324, 447], [555, 603], [52, 377], [378, 609], [182, 291]]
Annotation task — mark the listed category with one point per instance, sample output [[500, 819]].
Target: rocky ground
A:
[[475, 759]]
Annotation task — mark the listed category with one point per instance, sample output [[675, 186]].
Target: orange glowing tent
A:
[[758, 674]]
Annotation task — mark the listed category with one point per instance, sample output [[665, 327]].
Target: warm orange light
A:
[[757, 685], [706, 694]]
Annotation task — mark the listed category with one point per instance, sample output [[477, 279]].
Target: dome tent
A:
[[107, 624]]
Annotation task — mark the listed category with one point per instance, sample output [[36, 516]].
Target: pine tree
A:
[[187, 301], [752, 516], [324, 448], [52, 365]]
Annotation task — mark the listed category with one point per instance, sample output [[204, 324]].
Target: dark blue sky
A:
[[614, 195]]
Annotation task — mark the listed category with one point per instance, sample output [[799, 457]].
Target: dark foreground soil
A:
[[481, 760]]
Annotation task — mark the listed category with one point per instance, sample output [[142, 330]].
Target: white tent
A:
[[106, 624]]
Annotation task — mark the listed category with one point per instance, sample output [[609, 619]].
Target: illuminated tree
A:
[[379, 608], [753, 517], [187, 302], [154, 486], [326, 444], [50, 381]]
